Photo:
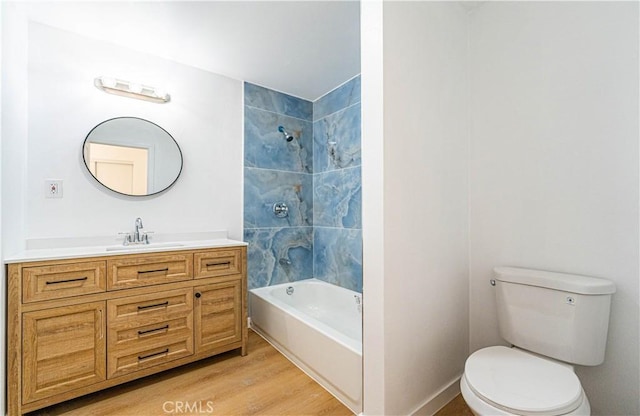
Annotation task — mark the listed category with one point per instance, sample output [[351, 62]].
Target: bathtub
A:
[[318, 326]]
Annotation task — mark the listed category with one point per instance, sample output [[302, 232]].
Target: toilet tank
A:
[[558, 315]]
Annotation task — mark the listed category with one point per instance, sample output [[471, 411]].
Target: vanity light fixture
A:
[[131, 90]]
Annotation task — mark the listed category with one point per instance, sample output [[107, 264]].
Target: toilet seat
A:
[[521, 383]]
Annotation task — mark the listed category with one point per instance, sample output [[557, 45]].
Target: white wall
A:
[[373, 341], [14, 125], [14, 138], [204, 117], [424, 214], [554, 164]]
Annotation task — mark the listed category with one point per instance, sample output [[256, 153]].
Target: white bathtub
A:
[[319, 328]]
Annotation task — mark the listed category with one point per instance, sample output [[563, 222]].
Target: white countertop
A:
[[67, 248]]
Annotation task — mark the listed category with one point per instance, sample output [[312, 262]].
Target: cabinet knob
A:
[[198, 294]]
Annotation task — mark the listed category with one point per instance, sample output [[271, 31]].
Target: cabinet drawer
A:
[[122, 362], [151, 309], [147, 336], [218, 262], [148, 270], [62, 280]]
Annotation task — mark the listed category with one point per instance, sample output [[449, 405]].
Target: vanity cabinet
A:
[[76, 326]]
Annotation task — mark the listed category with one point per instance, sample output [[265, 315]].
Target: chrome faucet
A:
[[136, 234]]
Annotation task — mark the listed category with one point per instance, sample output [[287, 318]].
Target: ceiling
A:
[[302, 48]]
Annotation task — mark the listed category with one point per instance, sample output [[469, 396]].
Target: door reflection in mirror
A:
[[123, 168]]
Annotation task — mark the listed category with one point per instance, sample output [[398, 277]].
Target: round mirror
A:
[[132, 156]]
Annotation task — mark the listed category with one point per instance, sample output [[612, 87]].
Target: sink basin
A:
[[150, 246]]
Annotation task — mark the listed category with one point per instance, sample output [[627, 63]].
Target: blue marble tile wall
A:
[[317, 175], [337, 187], [280, 249]]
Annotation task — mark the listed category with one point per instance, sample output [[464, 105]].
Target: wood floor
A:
[[261, 383], [456, 407]]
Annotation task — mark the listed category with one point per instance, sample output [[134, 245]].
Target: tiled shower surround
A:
[[317, 175]]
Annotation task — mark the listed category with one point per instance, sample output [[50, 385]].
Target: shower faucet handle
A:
[[280, 210]]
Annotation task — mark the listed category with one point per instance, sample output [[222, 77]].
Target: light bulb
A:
[[134, 87], [108, 82]]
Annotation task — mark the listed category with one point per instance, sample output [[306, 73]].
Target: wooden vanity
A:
[[79, 325]]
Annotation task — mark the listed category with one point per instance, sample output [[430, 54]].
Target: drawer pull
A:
[[166, 269], [155, 305], [55, 282], [148, 331], [144, 357], [224, 263]]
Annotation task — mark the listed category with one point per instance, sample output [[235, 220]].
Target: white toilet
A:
[[552, 320]]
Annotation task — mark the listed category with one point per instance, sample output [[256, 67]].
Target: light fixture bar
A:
[[131, 90]]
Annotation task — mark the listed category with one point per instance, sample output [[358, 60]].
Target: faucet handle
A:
[[127, 238], [145, 236]]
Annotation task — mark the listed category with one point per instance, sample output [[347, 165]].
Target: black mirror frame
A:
[[146, 121]]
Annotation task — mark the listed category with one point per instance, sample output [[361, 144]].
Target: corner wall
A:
[[13, 145], [15, 87], [317, 175], [337, 187], [425, 205], [554, 165], [373, 342]]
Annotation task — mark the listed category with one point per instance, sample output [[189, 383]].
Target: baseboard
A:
[[436, 402]]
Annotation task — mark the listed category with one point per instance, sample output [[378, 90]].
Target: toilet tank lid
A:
[[565, 282]]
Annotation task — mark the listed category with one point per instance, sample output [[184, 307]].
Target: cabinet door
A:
[[63, 349], [217, 314]]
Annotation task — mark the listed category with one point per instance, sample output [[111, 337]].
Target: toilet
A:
[[552, 320]]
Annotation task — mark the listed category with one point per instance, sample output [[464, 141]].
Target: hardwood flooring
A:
[[456, 407], [262, 383]]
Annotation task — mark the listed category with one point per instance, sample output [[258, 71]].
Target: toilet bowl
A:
[[507, 381]]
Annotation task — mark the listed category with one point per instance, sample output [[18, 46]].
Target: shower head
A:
[[286, 135]]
